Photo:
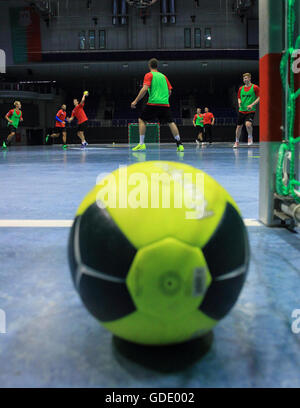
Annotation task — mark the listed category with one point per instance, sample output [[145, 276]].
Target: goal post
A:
[[276, 116], [152, 133]]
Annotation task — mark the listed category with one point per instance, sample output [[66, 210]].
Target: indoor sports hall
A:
[[150, 194]]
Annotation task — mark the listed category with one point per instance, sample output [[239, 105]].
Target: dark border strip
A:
[[170, 55]]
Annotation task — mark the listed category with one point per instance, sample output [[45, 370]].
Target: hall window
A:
[[92, 40], [102, 39], [82, 40], [197, 39], [208, 38], [187, 38]]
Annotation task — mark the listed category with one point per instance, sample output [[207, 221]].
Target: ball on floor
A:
[[158, 252]]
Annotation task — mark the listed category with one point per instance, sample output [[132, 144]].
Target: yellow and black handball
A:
[[158, 252]]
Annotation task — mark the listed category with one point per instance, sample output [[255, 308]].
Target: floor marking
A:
[[252, 222], [87, 148], [36, 223], [68, 223]]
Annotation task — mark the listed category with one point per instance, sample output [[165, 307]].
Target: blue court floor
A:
[[52, 341]]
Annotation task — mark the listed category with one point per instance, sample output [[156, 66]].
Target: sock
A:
[[177, 139], [250, 135], [142, 138]]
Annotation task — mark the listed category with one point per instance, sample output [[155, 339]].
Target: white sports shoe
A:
[[250, 141], [236, 145]]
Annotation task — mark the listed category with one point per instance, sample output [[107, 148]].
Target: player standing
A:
[[248, 98], [14, 117], [158, 106], [79, 114], [198, 123], [208, 121], [60, 126]]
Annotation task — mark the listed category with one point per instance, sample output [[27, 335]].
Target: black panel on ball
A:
[[107, 301], [100, 257], [71, 252], [226, 252], [103, 246], [221, 297]]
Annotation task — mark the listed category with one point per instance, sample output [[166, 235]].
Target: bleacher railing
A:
[[43, 87], [221, 121]]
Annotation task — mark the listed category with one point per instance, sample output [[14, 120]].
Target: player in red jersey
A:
[[60, 126], [79, 114], [248, 98], [208, 122]]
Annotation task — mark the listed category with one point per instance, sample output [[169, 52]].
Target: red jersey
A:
[[208, 118], [247, 89], [62, 116], [79, 113]]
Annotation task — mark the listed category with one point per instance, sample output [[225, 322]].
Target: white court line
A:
[[36, 223], [68, 223], [249, 222], [88, 148]]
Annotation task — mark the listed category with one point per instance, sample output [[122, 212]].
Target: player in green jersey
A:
[[158, 107], [198, 124], [248, 98], [13, 117]]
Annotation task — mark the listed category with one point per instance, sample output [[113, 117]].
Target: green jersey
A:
[[159, 87], [198, 119], [15, 117], [247, 98]]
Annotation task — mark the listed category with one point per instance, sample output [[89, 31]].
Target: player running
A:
[[208, 121], [248, 98], [198, 123], [158, 107], [79, 114], [60, 126], [13, 117]]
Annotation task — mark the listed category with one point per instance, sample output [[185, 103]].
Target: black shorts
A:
[[245, 117], [11, 129], [59, 130], [82, 127], [161, 113], [200, 129]]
